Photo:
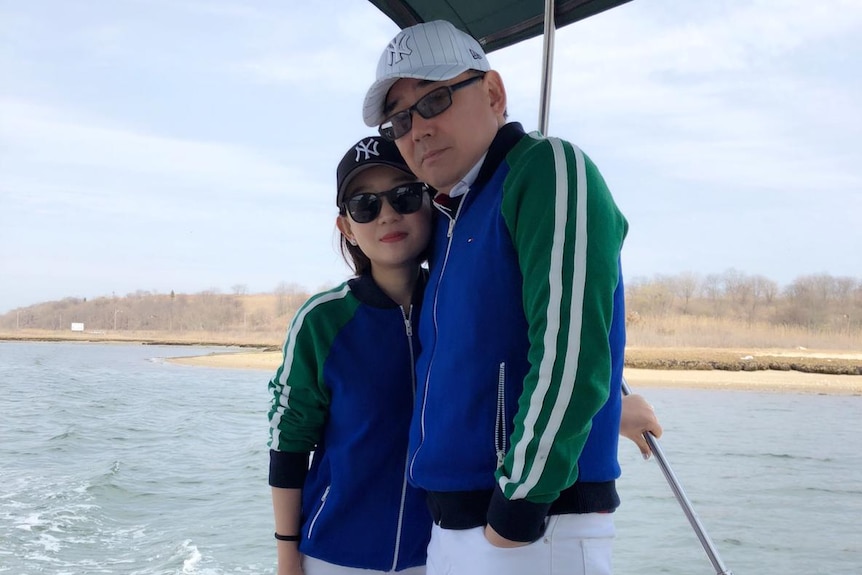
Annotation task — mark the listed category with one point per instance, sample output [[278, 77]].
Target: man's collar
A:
[[463, 186], [506, 138]]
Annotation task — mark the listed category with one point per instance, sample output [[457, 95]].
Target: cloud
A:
[[63, 139], [713, 97], [306, 49], [196, 141], [84, 202]]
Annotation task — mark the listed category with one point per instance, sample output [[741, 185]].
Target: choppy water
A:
[[114, 461]]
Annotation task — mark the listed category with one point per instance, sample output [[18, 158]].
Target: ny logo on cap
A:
[[368, 148], [398, 48]]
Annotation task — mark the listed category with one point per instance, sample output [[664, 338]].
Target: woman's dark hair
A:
[[355, 257]]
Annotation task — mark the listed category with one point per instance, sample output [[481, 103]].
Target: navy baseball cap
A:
[[366, 153]]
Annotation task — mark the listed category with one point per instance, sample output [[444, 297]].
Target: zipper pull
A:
[[451, 227], [408, 326], [500, 456]]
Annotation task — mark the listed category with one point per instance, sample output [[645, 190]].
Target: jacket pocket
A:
[[319, 510], [501, 432]]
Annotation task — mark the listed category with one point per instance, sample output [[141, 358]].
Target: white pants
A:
[[312, 566], [573, 544]]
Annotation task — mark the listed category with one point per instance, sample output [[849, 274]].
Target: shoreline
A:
[[797, 370], [761, 380], [756, 381]]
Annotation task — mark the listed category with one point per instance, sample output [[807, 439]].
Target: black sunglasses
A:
[[404, 199], [431, 104]]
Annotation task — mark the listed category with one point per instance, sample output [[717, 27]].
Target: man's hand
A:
[[637, 418], [498, 540]]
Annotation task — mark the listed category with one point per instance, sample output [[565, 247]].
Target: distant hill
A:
[[152, 312], [726, 310]]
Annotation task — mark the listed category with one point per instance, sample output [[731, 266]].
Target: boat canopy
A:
[[500, 23], [494, 23]]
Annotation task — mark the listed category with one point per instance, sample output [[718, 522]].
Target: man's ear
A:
[[343, 225], [496, 92]]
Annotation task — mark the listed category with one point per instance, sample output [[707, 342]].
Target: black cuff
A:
[[517, 519], [288, 469]]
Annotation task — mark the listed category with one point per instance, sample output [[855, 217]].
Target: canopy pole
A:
[[547, 67], [678, 492]]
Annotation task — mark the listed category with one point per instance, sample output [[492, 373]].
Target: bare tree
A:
[[686, 286], [289, 296], [713, 291]]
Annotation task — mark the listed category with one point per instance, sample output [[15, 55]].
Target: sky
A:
[[191, 145]]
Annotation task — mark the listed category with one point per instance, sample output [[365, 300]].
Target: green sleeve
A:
[[300, 396], [568, 234]]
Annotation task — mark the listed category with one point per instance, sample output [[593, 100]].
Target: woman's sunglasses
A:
[[404, 199], [431, 104]]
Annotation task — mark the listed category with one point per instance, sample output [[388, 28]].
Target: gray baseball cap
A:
[[434, 51]]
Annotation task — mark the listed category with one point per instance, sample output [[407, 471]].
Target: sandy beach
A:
[[761, 380]]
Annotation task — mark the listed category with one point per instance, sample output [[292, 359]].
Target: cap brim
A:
[[375, 98]]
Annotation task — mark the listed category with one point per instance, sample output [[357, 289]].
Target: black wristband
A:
[[281, 537]]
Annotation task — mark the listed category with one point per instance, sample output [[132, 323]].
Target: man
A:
[[514, 436]]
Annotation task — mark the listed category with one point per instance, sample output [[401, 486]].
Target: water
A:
[[114, 461], [776, 480]]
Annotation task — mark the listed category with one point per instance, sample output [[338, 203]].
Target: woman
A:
[[345, 389]]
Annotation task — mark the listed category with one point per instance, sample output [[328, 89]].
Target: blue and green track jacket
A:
[[523, 335], [345, 391]]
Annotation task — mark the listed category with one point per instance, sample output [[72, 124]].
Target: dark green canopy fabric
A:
[[494, 23]]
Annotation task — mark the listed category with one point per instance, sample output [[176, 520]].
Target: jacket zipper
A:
[[451, 226], [500, 432], [319, 510], [408, 328], [449, 235]]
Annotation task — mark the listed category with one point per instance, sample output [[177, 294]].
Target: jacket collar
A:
[[368, 292], [506, 139]]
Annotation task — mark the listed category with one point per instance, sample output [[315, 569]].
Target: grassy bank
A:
[[821, 361]]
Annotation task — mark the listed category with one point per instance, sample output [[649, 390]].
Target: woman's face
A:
[[391, 239]]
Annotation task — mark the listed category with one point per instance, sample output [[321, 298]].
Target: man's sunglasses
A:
[[431, 104], [404, 199]]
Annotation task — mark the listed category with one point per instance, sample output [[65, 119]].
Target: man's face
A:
[[441, 150]]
